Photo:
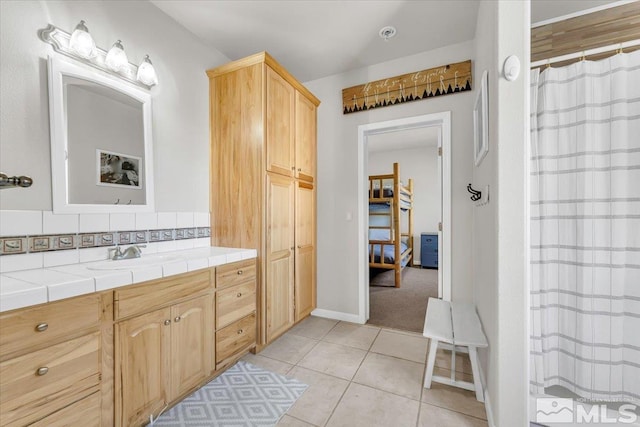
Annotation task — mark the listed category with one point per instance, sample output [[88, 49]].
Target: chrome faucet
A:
[[132, 251]]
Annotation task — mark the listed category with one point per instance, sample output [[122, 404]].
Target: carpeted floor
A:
[[401, 308]]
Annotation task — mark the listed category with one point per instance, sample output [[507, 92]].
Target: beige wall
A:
[[337, 173], [180, 101], [500, 228]]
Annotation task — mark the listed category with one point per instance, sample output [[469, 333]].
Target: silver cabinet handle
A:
[[42, 327], [299, 246], [239, 294], [177, 319], [239, 272], [167, 322], [42, 371], [240, 331]]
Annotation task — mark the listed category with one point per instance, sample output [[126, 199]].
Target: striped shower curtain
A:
[[585, 228]]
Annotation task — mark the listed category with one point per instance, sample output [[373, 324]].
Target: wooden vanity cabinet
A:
[[162, 354], [50, 360], [185, 330]]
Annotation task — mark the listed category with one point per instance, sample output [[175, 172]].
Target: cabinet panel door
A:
[[192, 335], [279, 255], [142, 367], [305, 138], [305, 269], [280, 124]]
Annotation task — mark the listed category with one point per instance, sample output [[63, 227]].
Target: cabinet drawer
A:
[[159, 293], [235, 273], [235, 337], [85, 413], [234, 303], [37, 384], [32, 327]]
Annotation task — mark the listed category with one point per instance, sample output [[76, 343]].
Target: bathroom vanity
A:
[[123, 355]]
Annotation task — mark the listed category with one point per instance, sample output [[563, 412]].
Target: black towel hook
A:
[[475, 194]]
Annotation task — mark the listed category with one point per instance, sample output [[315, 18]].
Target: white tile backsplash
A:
[[59, 223], [94, 222], [202, 242], [184, 244], [20, 262], [184, 220], [94, 254], [146, 221], [201, 219], [167, 246], [55, 258], [122, 222], [167, 220], [20, 223]]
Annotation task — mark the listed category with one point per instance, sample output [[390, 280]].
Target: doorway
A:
[[442, 121]]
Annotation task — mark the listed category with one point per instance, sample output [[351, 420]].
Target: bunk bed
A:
[[390, 202]]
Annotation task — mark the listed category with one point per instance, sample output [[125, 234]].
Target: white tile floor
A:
[[366, 376]]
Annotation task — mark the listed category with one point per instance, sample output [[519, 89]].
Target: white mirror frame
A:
[[58, 123], [481, 121]]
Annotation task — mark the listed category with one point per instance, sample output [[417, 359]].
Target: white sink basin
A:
[[126, 264]]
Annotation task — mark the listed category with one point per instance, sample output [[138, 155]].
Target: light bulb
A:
[[82, 42], [146, 72], [116, 59]]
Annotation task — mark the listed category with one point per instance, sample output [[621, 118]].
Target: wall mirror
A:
[[101, 145]]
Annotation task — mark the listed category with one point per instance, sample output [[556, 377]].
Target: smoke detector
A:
[[387, 32]]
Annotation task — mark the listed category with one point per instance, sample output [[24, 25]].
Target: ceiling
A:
[[404, 139], [541, 10], [318, 38]]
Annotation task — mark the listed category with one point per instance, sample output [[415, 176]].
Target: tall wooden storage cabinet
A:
[[263, 169]]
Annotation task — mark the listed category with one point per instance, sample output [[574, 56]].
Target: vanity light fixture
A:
[[81, 41], [146, 72], [81, 47], [116, 59]]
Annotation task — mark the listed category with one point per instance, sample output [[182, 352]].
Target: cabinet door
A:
[[192, 336], [305, 138], [142, 367], [280, 124], [279, 255], [305, 283]]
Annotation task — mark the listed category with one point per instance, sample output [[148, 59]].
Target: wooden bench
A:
[[454, 326]]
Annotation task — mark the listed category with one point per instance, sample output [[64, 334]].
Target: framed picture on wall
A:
[[481, 121], [118, 170]]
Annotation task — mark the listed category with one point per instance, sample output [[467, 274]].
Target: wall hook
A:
[[117, 201], [475, 194], [129, 202]]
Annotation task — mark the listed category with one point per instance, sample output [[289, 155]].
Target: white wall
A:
[[337, 173], [499, 229], [180, 101], [421, 165]]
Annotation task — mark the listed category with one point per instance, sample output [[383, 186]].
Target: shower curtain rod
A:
[[588, 52]]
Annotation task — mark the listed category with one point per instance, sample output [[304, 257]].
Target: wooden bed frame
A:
[[400, 193]]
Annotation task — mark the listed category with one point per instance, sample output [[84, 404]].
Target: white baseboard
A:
[[487, 399], [337, 315]]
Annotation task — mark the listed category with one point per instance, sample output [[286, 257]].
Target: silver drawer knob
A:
[[177, 319], [240, 331], [42, 371], [42, 327], [167, 322], [239, 272], [239, 294]]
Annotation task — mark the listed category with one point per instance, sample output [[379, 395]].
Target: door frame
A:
[[443, 121]]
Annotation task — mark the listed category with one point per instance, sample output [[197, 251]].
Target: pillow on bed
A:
[[378, 234]]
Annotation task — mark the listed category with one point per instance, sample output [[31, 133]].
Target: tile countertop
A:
[[31, 287]]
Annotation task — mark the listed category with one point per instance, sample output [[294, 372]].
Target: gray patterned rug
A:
[[243, 396]]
